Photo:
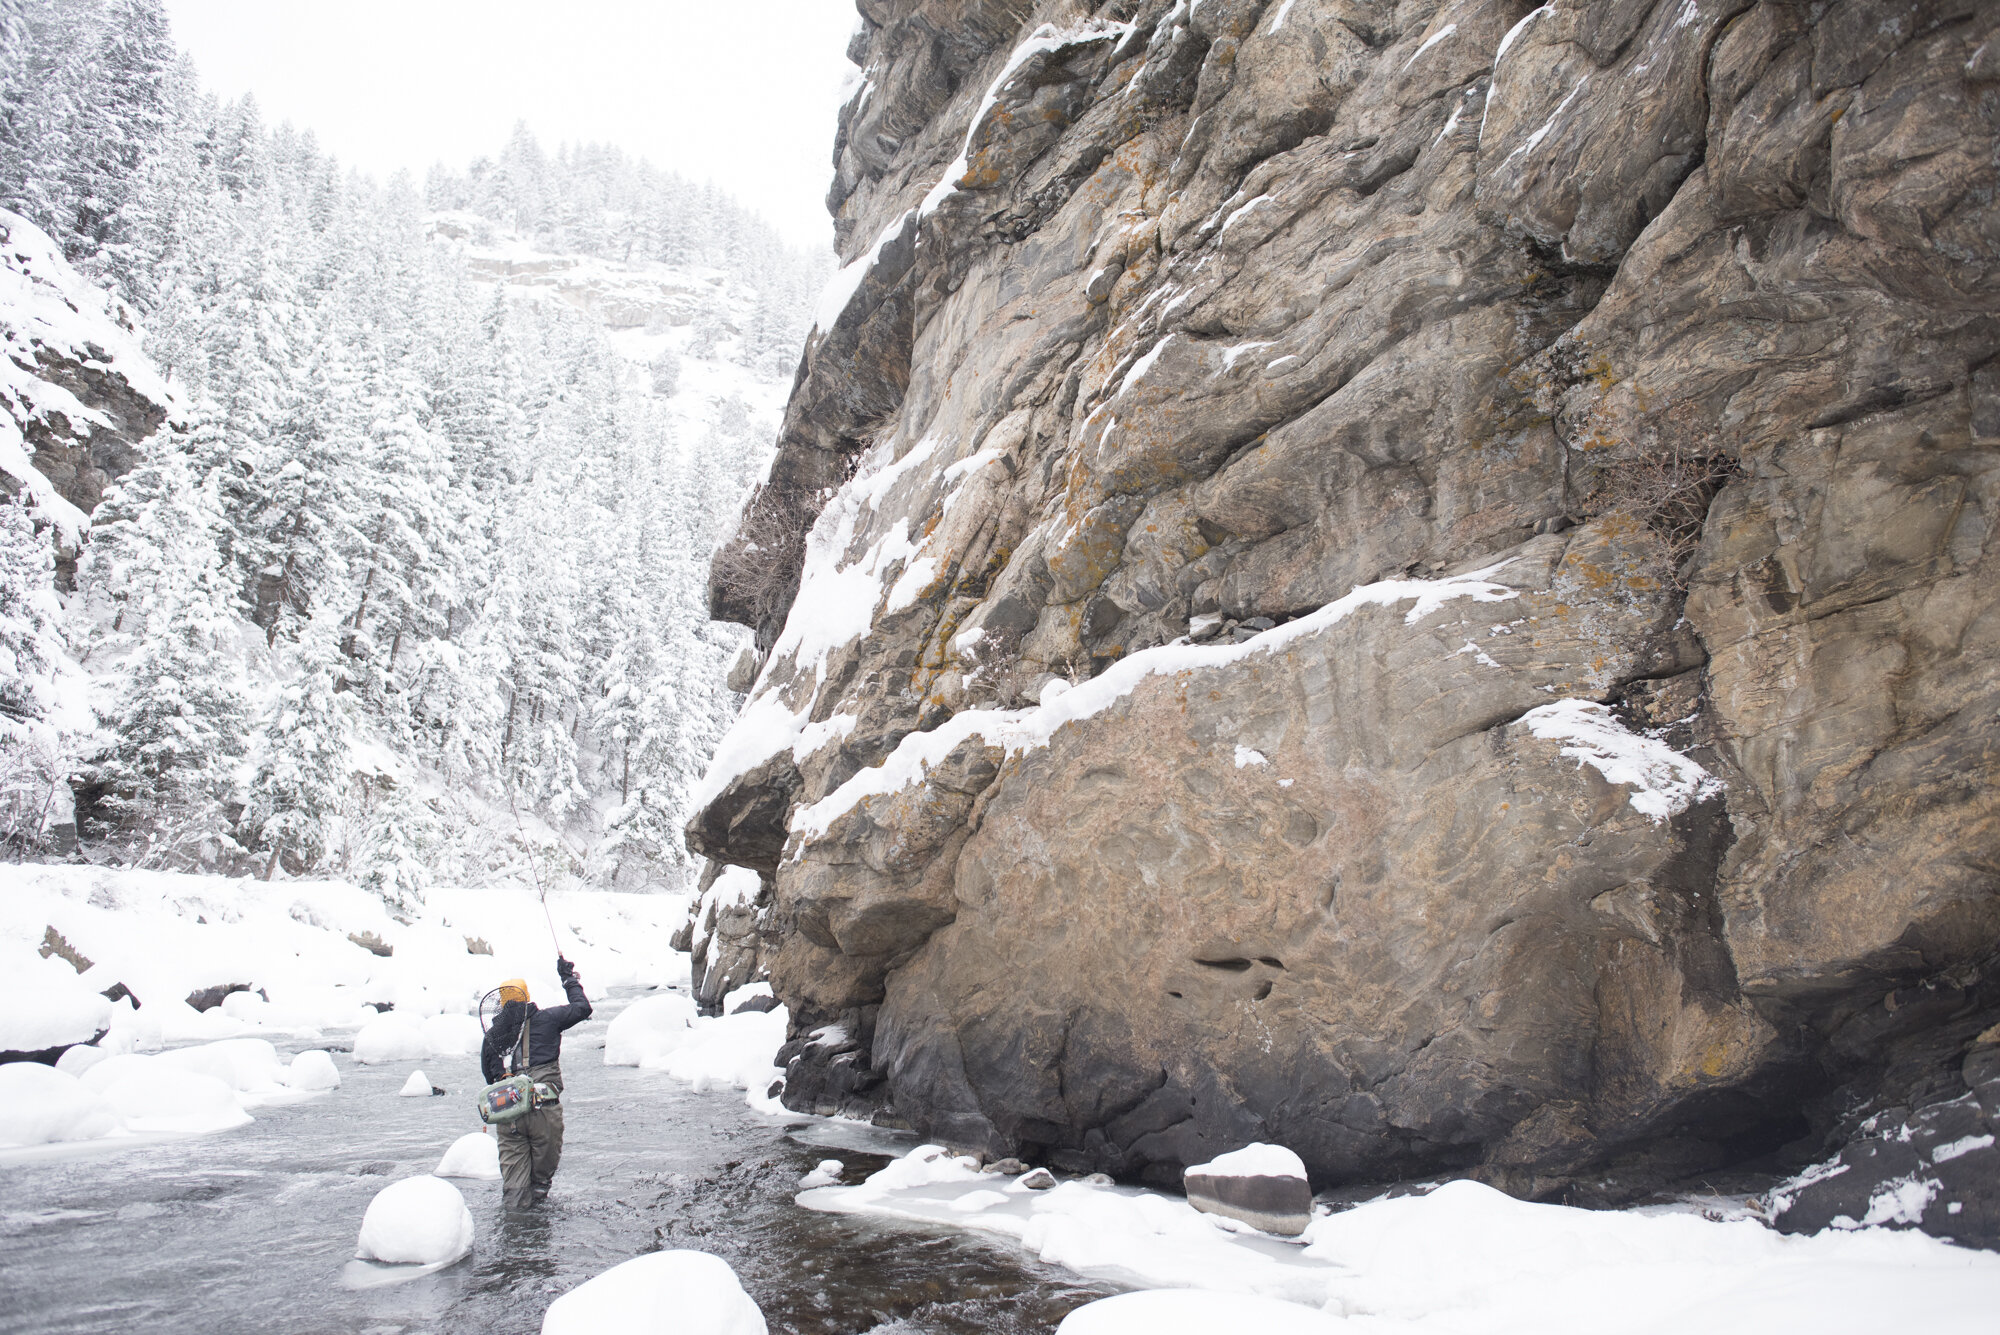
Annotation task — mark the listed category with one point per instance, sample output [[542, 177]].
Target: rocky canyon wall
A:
[[1408, 579]]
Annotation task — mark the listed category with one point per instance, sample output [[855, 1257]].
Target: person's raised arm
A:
[[578, 1009]]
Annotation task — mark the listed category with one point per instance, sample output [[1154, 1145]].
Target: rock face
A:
[[77, 394], [1408, 580]]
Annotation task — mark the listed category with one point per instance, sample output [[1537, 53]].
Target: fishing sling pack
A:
[[504, 1101]]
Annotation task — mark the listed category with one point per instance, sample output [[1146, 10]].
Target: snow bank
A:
[[161, 1097], [48, 1014], [664, 1293], [40, 1105], [474, 1156], [250, 1067], [418, 1221], [418, 1086], [648, 1030], [1175, 1312], [1464, 1259], [663, 1033], [731, 1052], [306, 945]]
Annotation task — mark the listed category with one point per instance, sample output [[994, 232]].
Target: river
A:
[[250, 1231]]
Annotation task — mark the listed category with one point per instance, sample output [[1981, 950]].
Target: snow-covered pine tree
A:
[[34, 753], [178, 719], [302, 752]]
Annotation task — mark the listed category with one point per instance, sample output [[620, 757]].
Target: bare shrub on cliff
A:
[[755, 574], [1670, 487]]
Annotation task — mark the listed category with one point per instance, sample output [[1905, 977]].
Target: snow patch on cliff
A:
[[1663, 781], [1019, 730]]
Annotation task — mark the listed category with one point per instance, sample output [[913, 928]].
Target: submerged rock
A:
[[1412, 584]]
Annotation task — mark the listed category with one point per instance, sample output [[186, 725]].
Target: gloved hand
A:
[[564, 969]]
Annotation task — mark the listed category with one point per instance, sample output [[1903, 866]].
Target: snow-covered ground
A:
[[1463, 1259], [318, 958]]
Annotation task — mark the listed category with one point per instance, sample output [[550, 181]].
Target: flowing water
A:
[[250, 1231]]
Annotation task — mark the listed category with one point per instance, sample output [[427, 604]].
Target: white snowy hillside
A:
[[409, 585]]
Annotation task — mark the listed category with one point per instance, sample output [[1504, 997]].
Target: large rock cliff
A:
[[1409, 579]]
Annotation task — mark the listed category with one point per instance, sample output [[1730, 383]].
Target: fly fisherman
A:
[[531, 1145]]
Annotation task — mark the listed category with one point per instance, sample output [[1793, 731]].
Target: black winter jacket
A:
[[545, 1031]]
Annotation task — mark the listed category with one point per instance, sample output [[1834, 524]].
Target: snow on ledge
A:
[[1020, 730], [1254, 1160], [1663, 781]]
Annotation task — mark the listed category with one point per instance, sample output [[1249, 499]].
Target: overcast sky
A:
[[742, 92]]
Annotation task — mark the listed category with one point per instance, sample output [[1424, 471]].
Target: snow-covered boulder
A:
[[1261, 1185], [731, 1052], [160, 1097], [1194, 1312], [474, 1156], [313, 1071], [50, 1015], [926, 1166], [648, 1029], [247, 1065], [418, 1221], [390, 1038], [76, 1060], [40, 1105], [452, 1036], [664, 1293], [825, 1174], [418, 1086]]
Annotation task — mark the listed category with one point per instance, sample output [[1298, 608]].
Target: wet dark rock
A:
[[1038, 1179], [1273, 1203], [208, 998]]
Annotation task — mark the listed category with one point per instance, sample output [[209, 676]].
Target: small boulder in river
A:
[[1262, 1185], [476, 1156], [418, 1086], [1038, 1179], [418, 1221], [664, 1293]]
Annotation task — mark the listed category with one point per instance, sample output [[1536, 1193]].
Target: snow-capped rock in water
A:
[[826, 1173], [476, 1156], [314, 1071], [418, 1221], [390, 1038], [1527, 709], [41, 1105], [1180, 1312], [418, 1086], [1262, 1185], [648, 1030], [664, 1293], [152, 1095]]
